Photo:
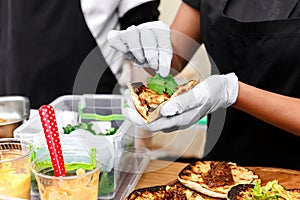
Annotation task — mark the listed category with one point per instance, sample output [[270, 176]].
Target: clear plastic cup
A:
[[15, 155], [80, 181]]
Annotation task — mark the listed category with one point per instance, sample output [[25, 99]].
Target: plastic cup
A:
[[78, 183], [15, 155]]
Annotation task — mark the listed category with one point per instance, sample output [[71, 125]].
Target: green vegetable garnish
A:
[[162, 85], [109, 131], [85, 126], [88, 127], [272, 190]]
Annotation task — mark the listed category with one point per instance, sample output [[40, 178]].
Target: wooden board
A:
[[161, 172], [286, 177]]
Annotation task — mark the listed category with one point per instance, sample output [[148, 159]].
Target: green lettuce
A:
[[162, 85]]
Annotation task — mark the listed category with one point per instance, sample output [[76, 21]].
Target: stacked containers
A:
[[123, 163]]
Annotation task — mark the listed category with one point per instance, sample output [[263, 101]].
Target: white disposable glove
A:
[[185, 110], [148, 45]]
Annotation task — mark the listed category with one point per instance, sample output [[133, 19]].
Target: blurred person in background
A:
[[258, 41], [44, 43]]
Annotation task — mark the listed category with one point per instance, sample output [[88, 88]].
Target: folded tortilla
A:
[[148, 103]]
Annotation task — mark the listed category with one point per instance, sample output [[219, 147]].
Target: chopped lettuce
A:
[[162, 85]]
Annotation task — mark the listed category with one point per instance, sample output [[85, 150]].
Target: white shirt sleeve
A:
[[101, 16]]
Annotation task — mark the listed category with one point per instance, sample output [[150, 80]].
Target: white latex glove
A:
[[185, 110], [148, 45]]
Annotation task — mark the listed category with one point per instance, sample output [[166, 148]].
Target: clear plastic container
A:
[[123, 163], [80, 182], [15, 157]]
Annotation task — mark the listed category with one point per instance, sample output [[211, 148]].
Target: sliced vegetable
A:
[[272, 190]]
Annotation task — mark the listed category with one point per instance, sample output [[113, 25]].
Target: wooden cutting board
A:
[[286, 177], [163, 172], [290, 179]]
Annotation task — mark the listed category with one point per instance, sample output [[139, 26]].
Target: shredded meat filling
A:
[[218, 175], [174, 193], [150, 98]]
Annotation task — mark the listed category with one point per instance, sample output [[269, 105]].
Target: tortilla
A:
[[148, 103], [194, 176], [175, 191]]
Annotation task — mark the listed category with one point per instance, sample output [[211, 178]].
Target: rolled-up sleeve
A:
[[194, 3]]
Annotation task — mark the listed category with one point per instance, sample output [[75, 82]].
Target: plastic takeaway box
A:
[[123, 162]]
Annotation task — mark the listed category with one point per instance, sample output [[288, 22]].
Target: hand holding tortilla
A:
[[148, 45], [186, 106]]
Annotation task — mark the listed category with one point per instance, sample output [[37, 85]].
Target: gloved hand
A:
[[148, 45], [185, 110]]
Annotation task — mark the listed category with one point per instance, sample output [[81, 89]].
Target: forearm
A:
[[275, 109], [185, 34]]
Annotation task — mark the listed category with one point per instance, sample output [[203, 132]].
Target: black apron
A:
[[42, 47], [262, 53]]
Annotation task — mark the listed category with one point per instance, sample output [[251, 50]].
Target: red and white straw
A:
[[48, 119]]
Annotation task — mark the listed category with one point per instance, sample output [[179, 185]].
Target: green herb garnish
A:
[[109, 131], [88, 127], [162, 85], [271, 191], [85, 126]]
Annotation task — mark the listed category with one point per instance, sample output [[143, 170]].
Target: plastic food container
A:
[[15, 168], [78, 183], [123, 163]]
